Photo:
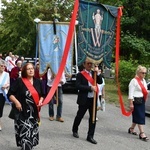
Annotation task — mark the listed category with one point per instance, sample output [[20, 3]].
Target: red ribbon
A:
[[144, 90], [88, 77], [65, 54], [33, 92], [12, 63], [123, 110]]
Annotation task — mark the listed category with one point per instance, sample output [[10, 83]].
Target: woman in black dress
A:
[[23, 98]]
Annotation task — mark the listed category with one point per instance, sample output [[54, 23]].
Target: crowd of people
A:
[[16, 75]]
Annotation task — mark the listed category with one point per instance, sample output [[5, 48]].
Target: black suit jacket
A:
[[83, 87]]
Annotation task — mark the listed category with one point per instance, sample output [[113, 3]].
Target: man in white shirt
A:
[[59, 96]]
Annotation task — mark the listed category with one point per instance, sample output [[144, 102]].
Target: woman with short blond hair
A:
[[137, 97]]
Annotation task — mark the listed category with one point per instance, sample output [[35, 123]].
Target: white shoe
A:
[[96, 119], [0, 128]]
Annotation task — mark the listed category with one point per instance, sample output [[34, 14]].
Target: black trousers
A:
[[2, 103], [80, 114]]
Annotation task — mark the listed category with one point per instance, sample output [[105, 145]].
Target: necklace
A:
[[31, 80]]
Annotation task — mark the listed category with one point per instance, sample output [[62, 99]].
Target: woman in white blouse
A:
[[4, 85], [137, 94]]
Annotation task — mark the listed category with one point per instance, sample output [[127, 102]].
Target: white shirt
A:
[[51, 81], [135, 89], [9, 65], [6, 82], [100, 87], [90, 94]]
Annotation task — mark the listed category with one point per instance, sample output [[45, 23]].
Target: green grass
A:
[[111, 93]]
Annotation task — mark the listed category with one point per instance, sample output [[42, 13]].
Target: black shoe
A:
[[91, 140], [132, 132], [143, 138], [75, 134]]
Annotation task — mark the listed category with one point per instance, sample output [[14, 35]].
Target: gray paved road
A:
[[111, 131]]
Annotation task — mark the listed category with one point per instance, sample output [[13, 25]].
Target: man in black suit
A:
[[85, 99]]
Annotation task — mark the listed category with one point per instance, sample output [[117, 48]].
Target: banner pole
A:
[[76, 53], [94, 99]]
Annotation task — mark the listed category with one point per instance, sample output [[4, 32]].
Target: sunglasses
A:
[[143, 72], [89, 63]]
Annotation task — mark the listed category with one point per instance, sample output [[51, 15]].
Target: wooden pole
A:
[[57, 96], [94, 99]]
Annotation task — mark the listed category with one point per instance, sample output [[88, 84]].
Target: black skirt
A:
[[138, 114], [2, 103]]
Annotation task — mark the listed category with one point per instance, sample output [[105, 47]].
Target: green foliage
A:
[[135, 48], [135, 39], [126, 73], [112, 94], [111, 2], [18, 29], [48, 10], [135, 19]]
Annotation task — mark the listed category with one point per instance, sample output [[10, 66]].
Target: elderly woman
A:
[[26, 94], [137, 97], [4, 85]]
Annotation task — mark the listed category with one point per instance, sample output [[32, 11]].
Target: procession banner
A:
[[97, 27], [51, 47], [65, 54]]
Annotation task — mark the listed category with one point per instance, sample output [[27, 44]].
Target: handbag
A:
[[14, 112], [138, 100]]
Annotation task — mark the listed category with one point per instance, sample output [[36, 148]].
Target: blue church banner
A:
[[96, 32], [51, 47]]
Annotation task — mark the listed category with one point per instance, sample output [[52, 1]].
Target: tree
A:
[[17, 30], [136, 18], [50, 9], [135, 31]]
